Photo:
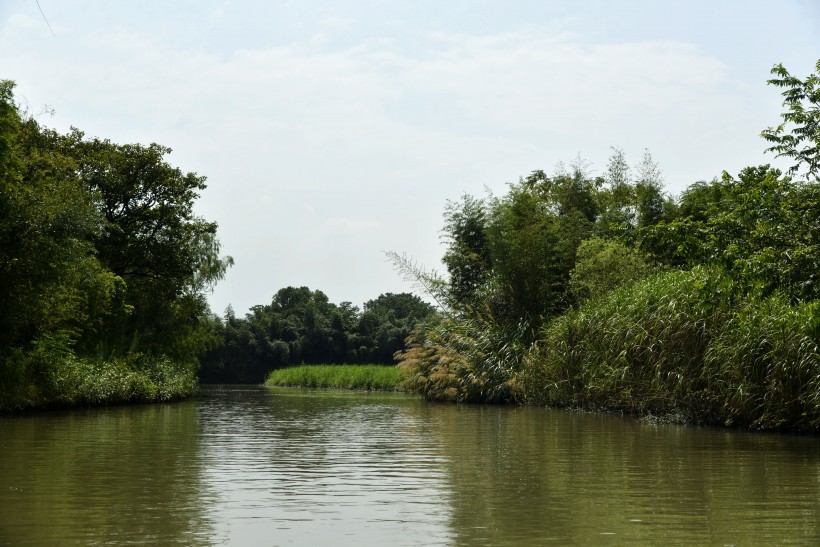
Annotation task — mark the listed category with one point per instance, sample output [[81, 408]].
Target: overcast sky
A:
[[333, 131]]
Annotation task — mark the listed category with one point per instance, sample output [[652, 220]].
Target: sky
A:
[[331, 132]]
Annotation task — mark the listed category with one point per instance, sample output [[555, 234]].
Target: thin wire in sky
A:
[[44, 16]]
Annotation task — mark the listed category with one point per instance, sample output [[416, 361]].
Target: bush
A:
[[50, 374], [602, 265]]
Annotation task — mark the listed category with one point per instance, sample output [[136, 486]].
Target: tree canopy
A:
[[101, 256], [301, 326]]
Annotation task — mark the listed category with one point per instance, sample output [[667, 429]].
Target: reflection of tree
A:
[[124, 474], [290, 464], [529, 476]]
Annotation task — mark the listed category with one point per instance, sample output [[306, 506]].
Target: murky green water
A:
[[248, 466]]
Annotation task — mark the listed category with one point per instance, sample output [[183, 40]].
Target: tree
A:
[[467, 257], [617, 203], [151, 238], [388, 320], [760, 226], [302, 326], [798, 137], [533, 233], [51, 283], [103, 268], [650, 202]]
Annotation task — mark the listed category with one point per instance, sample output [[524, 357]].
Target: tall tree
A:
[[51, 282], [798, 137], [649, 198], [467, 257], [150, 238]]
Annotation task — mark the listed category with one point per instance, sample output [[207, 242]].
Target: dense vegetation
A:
[[301, 326], [606, 293], [103, 268], [358, 377]]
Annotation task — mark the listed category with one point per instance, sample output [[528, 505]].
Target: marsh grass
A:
[[685, 343], [51, 375], [357, 377]]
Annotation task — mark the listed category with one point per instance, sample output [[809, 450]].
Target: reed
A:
[[357, 377], [473, 358], [685, 343]]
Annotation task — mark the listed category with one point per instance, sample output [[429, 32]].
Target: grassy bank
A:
[[361, 377], [44, 378]]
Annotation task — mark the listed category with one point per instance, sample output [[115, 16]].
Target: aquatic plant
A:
[[359, 377]]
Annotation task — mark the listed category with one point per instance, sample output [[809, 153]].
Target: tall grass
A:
[[359, 377], [473, 358], [50, 375], [688, 343]]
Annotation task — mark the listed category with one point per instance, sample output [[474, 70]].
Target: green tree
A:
[[389, 319], [51, 282], [525, 235], [150, 238], [467, 257], [798, 137], [616, 201], [103, 268], [650, 201], [761, 226]]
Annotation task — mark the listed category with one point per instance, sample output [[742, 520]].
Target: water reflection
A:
[[323, 468], [249, 466], [528, 476], [119, 474]]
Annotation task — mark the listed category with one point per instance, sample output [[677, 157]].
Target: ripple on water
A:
[[250, 466]]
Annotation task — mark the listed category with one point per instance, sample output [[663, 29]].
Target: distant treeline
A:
[[103, 268], [301, 326], [604, 292]]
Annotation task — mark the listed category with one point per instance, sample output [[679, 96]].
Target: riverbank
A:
[[355, 377], [684, 346], [76, 382]]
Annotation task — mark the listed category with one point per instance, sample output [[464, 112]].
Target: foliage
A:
[[798, 137], [602, 265], [533, 232], [633, 347], [302, 326], [50, 279], [151, 239], [467, 259], [51, 374], [512, 267], [685, 343], [606, 293], [470, 359], [359, 377], [103, 268], [762, 227]]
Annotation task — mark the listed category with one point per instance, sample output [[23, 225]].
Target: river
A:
[[245, 465]]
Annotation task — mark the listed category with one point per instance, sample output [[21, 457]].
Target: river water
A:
[[252, 466]]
